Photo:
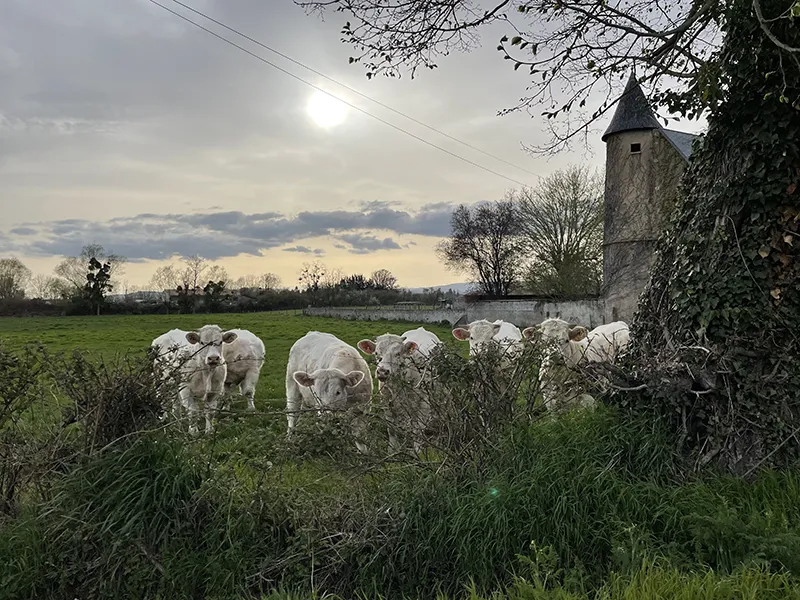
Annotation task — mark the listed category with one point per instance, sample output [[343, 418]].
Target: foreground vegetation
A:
[[102, 498]]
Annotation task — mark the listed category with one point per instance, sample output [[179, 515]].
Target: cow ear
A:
[[353, 378], [496, 327], [410, 346], [192, 337], [303, 378], [529, 332], [229, 337], [460, 333], [577, 333], [367, 346]]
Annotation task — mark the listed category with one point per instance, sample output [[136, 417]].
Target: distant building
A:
[[644, 164]]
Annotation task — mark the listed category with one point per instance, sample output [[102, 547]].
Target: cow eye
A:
[[338, 392]]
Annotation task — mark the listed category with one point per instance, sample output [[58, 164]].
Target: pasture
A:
[[109, 336], [593, 505]]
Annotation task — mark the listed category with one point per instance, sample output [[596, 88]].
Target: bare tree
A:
[[563, 233], [311, 278], [485, 242], [73, 268], [14, 277], [44, 287], [269, 281], [191, 276], [574, 51], [383, 279], [165, 278], [218, 273]]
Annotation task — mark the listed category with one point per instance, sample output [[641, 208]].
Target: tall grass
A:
[[593, 504]]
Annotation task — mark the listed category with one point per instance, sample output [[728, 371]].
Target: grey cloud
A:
[[23, 231], [305, 250], [362, 244], [151, 236]]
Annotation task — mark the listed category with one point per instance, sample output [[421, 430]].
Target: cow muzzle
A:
[[382, 374], [214, 361]]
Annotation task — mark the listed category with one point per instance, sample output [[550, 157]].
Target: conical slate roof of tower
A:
[[633, 112]]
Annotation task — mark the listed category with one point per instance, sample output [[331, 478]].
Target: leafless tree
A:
[[563, 233], [73, 268], [165, 278], [14, 277], [218, 273], [44, 287], [485, 242], [383, 279], [191, 276], [312, 276], [267, 281], [576, 52]]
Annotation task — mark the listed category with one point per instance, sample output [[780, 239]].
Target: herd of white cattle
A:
[[325, 373]]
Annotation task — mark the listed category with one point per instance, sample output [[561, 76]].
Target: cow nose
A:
[[213, 360], [382, 374]]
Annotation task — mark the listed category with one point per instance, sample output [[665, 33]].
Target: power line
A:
[[345, 102], [350, 89]]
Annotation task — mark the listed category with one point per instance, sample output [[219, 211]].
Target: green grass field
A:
[[108, 336], [595, 505]]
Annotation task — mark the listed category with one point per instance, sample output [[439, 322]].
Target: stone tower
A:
[[644, 164]]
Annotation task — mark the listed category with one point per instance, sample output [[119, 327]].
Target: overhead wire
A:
[[342, 100], [352, 89]]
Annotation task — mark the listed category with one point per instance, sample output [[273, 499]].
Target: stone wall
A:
[[437, 316], [524, 313], [521, 312]]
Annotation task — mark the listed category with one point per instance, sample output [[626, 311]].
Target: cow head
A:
[[391, 352], [210, 339], [330, 386], [558, 330], [478, 334]]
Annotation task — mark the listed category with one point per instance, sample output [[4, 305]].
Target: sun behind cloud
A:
[[325, 110]]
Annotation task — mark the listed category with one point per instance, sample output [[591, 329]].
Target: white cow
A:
[[480, 333], [406, 356], [326, 373], [244, 358], [558, 381], [201, 365], [171, 350], [608, 341]]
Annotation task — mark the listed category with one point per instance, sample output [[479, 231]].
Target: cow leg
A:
[[358, 427], [211, 400], [248, 388], [190, 404], [294, 400]]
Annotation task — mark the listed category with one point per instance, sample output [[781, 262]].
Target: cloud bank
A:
[[215, 235]]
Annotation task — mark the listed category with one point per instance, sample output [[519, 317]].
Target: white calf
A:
[[481, 333], [557, 379], [326, 373], [244, 358], [405, 356]]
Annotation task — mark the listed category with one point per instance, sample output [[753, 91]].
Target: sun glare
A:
[[325, 110]]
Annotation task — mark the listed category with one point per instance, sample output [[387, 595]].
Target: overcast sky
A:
[[122, 125]]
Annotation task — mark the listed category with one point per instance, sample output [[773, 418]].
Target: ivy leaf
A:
[[796, 9], [764, 251], [516, 40]]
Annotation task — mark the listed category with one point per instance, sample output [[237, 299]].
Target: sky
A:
[[122, 125]]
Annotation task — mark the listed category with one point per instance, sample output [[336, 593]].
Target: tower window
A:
[[636, 148]]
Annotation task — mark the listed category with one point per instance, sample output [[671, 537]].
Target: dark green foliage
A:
[[727, 275], [98, 284], [214, 291]]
